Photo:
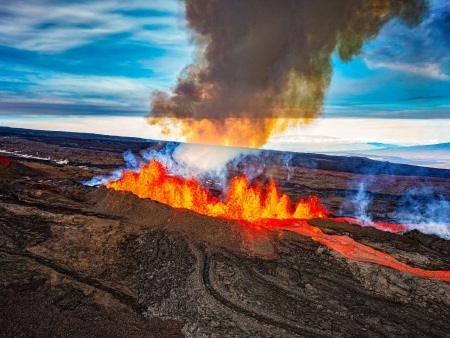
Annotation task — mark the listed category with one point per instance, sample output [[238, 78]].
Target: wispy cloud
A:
[[431, 70], [56, 26], [98, 56], [119, 87], [92, 90], [422, 51], [94, 55]]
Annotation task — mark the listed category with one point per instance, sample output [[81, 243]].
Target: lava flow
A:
[[4, 161], [242, 202], [263, 207]]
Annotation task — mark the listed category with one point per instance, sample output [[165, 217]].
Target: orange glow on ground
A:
[[4, 161], [353, 250], [263, 208], [242, 202], [382, 226]]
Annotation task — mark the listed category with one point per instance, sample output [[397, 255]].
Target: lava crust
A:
[[91, 262]]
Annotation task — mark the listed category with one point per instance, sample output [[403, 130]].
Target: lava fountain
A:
[[242, 202], [255, 206]]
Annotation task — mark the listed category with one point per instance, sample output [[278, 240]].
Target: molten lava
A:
[[353, 250], [261, 207], [4, 162], [382, 226], [242, 202]]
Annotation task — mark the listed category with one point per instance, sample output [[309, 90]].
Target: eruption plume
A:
[[264, 65]]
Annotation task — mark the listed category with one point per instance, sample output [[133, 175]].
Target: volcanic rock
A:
[[90, 262]]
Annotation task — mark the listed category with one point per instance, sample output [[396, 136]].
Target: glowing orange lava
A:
[[382, 226], [265, 208], [353, 250], [242, 202]]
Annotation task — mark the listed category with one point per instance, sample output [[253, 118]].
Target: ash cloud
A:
[[269, 59]]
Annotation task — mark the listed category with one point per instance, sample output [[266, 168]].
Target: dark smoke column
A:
[[264, 64]]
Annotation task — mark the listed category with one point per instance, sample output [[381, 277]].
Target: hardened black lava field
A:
[[89, 262]]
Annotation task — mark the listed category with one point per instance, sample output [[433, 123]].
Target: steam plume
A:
[[264, 64], [425, 209], [360, 203]]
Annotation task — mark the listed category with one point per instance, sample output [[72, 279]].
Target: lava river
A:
[[262, 207]]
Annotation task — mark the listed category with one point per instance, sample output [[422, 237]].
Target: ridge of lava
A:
[[260, 208]]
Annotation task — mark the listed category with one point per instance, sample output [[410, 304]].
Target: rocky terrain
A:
[[80, 261]]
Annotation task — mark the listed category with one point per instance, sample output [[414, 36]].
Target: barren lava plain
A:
[[91, 262]]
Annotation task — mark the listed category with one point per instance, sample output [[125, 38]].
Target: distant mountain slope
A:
[[435, 155], [350, 163]]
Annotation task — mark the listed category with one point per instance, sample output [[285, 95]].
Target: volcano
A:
[[87, 261]]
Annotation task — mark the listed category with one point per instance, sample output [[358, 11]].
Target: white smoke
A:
[[358, 204], [206, 158], [362, 202], [425, 209], [206, 163]]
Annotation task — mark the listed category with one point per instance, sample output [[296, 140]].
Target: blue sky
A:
[[106, 57], [92, 57], [402, 73]]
